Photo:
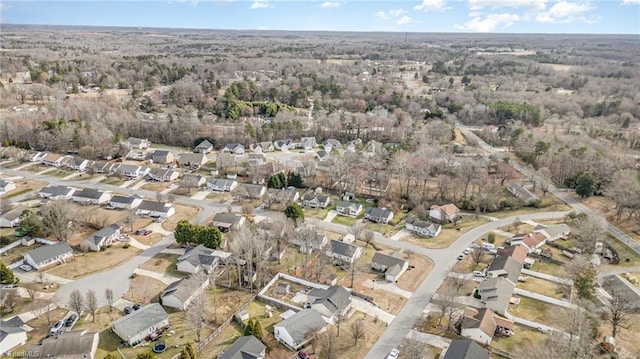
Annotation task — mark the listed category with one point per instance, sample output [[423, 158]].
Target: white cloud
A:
[[564, 12], [259, 5], [490, 23], [534, 5], [331, 4], [381, 15], [630, 2], [405, 20], [397, 12], [430, 5]]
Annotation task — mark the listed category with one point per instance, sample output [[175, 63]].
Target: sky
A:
[[500, 16]]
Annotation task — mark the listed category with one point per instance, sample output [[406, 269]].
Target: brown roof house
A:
[[447, 213], [517, 252], [481, 324]]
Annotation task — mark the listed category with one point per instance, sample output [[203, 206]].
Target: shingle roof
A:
[[140, 320], [154, 206], [481, 319], [393, 264], [300, 323], [70, 344], [47, 252], [105, 232], [516, 251], [181, 289], [348, 204], [89, 193], [204, 144], [376, 212], [334, 298], [557, 229], [13, 325], [57, 190], [227, 218], [247, 347], [343, 248], [160, 153], [193, 158], [199, 255], [123, 199], [509, 265], [221, 182], [13, 213], [466, 349]]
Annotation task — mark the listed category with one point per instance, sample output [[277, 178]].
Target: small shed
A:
[[282, 289], [287, 314], [243, 315], [528, 263], [332, 279]]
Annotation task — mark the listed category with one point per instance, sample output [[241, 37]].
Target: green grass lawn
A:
[[628, 257], [17, 193], [344, 220], [522, 336], [541, 312], [549, 268]]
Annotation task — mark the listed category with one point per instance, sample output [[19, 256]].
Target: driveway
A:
[[389, 287], [330, 216], [372, 310], [430, 339]]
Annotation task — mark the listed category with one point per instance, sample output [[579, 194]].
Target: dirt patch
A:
[[143, 289], [163, 263], [92, 262], [182, 212]]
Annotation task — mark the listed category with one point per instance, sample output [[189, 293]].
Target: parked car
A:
[[136, 306], [477, 273], [393, 354], [127, 310], [303, 355], [140, 231], [147, 232], [461, 257], [69, 322], [466, 251], [56, 327], [26, 267], [473, 245], [9, 286]]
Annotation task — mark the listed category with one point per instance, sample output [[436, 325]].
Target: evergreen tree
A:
[[188, 352], [185, 232], [257, 330], [294, 212], [295, 180], [248, 329], [6, 275], [209, 236]]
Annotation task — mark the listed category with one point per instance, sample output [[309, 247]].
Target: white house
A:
[[103, 237], [262, 147], [393, 267], [140, 324], [283, 145], [330, 144], [200, 258], [292, 331], [331, 302], [12, 334], [138, 143], [192, 160], [221, 184], [125, 202], [78, 164], [179, 294], [48, 256], [133, 171], [11, 218], [478, 325], [444, 214], [227, 221], [56, 192], [91, 196], [423, 228], [378, 215], [164, 174], [252, 191], [314, 200], [53, 159], [554, 232], [308, 143], [204, 147], [155, 209], [234, 148], [344, 252], [6, 186], [69, 345], [37, 157]]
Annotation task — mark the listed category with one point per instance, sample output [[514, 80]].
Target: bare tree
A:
[[197, 313], [357, 330], [129, 219], [57, 219], [91, 304], [32, 294], [108, 294], [338, 320], [189, 182], [280, 229], [457, 282], [369, 236], [588, 230], [414, 349], [76, 301], [312, 336], [618, 311], [328, 345], [357, 229], [477, 256], [38, 307], [8, 300], [447, 306]]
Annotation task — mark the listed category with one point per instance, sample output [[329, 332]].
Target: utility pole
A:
[[353, 273]]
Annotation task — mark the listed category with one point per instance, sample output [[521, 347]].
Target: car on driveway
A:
[[477, 273], [136, 306], [147, 232], [69, 322], [56, 327], [140, 231], [473, 245], [393, 354], [466, 251], [303, 355], [127, 310], [461, 257], [26, 267]]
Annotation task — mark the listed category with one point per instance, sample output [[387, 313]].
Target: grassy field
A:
[[628, 257], [60, 173], [557, 207], [545, 287], [549, 268], [540, 312], [143, 289], [92, 262], [522, 336], [344, 220], [182, 212], [115, 181], [163, 263]]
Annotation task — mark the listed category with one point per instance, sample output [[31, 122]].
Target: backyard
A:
[[545, 287], [541, 312]]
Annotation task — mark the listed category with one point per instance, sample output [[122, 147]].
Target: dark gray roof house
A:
[[48, 255], [247, 347], [56, 191], [465, 349], [329, 302], [227, 221], [141, 323], [392, 266], [293, 330], [199, 257], [76, 344], [505, 266], [496, 293]]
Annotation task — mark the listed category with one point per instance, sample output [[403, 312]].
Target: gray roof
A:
[[508, 264], [128, 168], [136, 141], [124, 199], [13, 325], [161, 172], [376, 212], [47, 252], [140, 320], [12, 214], [497, 289], [105, 232], [182, 289], [205, 144], [160, 153], [557, 229], [193, 158], [57, 190], [199, 255], [465, 349], [89, 193], [155, 206], [393, 264], [70, 344], [247, 347], [334, 298], [343, 248], [3, 183], [227, 218], [221, 182], [299, 324], [252, 190]]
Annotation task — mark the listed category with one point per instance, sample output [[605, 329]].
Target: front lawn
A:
[[448, 235], [164, 263], [92, 262]]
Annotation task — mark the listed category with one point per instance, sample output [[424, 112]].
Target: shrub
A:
[[491, 237]]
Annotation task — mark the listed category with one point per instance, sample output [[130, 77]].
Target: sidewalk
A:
[[166, 279]]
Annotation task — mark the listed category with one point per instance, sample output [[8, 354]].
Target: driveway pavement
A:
[[201, 195], [330, 216]]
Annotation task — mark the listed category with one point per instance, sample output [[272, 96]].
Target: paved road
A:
[[577, 206]]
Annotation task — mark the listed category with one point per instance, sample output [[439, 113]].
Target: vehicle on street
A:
[[302, 355], [461, 257], [69, 322], [393, 354], [9, 286], [56, 327], [127, 310], [140, 231], [473, 245], [26, 267]]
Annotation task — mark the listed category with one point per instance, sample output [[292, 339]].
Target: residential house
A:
[[103, 237], [125, 202], [139, 143], [136, 155], [180, 294], [346, 208], [198, 258], [283, 145], [343, 252], [251, 191], [221, 184], [161, 156], [322, 155], [308, 143], [292, 331], [192, 160], [517, 252], [553, 232], [78, 164], [256, 159], [532, 241], [78, 344], [247, 347], [11, 218], [91, 196], [56, 192], [48, 256], [478, 325], [521, 192], [155, 209], [12, 335], [330, 144], [198, 180], [378, 215], [423, 228], [204, 147], [391, 265], [53, 159], [131, 171], [142, 323], [351, 146], [234, 148], [496, 293], [315, 200], [227, 221], [309, 245], [37, 156], [262, 147], [104, 166], [447, 213], [285, 196], [504, 266], [331, 302], [163, 174], [465, 349], [6, 186]]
